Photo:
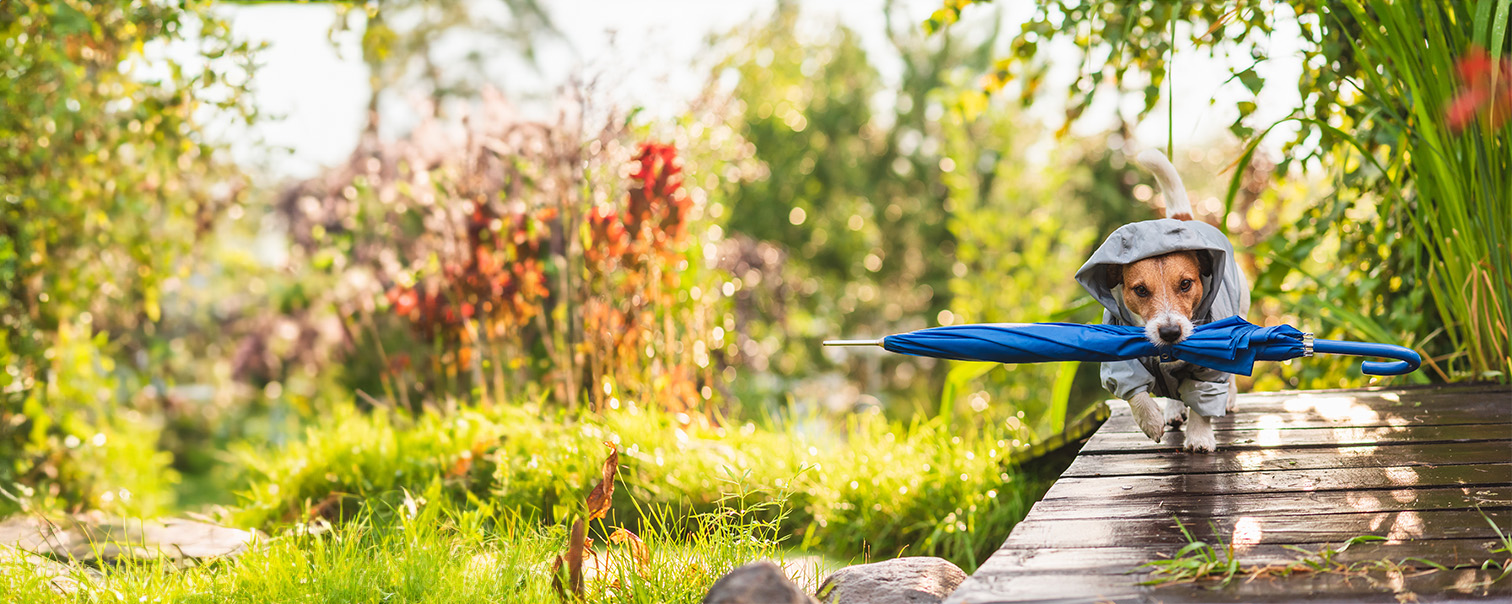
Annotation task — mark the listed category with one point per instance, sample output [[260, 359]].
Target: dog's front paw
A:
[[1200, 443], [1148, 415], [1199, 434]]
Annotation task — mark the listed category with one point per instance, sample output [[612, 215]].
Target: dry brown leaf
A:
[[602, 496], [556, 579], [575, 547], [637, 547]]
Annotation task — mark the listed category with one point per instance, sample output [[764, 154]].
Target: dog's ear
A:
[[1205, 263], [1112, 275]]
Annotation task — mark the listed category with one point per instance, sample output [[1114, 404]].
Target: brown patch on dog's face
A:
[[1171, 283]]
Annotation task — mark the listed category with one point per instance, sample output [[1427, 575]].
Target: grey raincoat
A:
[[1225, 294]]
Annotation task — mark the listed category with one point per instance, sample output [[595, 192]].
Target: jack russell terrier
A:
[[1168, 275]]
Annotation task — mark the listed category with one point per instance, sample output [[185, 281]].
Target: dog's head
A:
[[1163, 291]]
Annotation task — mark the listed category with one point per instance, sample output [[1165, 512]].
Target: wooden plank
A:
[[1275, 530], [1171, 461], [1312, 587], [1126, 560], [1105, 489], [1429, 469], [1252, 439], [1415, 392], [1187, 506], [1385, 399], [1313, 409], [1250, 419]]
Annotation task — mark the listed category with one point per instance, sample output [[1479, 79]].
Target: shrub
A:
[[877, 486]]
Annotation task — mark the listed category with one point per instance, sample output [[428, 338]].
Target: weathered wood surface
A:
[[1429, 470]]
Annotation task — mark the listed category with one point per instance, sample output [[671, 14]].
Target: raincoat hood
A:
[[1140, 240]]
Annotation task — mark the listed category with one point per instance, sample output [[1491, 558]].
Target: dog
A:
[[1168, 275]]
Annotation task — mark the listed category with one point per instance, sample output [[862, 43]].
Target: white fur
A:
[[1176, 201], [1175, 412], [1147, 415], [1199, 434], [1166, 318]]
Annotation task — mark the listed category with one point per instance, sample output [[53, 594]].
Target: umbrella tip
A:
[[876, 342]]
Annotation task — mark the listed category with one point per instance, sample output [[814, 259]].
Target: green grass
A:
[[1196, 561], [474, 505], [1200, 563], [429, 550], [867, 487]]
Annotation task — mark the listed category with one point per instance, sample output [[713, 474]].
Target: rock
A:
[[63, 578], [96, 538], [915, 580], [759, 582]]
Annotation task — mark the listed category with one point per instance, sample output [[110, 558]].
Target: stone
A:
[[760, 582], [94, 538], [913, 580], [64, 579]]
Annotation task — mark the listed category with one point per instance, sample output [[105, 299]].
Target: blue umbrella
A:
[[1231, 345]]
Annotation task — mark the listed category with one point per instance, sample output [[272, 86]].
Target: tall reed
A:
[[1442, 192], [1455, 187]]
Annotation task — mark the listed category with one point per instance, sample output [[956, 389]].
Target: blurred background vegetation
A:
[[477, 298]]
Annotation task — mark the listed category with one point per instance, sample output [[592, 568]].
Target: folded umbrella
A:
[[1230, 345]]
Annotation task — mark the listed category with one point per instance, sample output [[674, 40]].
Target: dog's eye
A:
[[1142, 291], [1186, 284]]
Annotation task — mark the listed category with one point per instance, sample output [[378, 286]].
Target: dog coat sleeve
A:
[[1124, 379], [1206, 398]]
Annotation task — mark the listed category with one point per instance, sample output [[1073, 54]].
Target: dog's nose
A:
[[1170, 333]]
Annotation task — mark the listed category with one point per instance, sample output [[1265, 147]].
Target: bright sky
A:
[[650, 53]]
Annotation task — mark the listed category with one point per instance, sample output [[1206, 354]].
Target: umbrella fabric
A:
[[1230, 345]]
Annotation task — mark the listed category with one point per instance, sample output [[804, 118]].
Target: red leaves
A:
[[403, 300], [658, 199], [607, 235], [653, 222], [502, 281], [1486, 87], [491, 277]]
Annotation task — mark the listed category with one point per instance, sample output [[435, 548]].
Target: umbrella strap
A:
[[1307, 344]]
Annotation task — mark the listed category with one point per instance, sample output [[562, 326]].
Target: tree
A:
[[853, 193], [105, 184]]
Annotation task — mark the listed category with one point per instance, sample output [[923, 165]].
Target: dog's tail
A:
[[1177, 205]]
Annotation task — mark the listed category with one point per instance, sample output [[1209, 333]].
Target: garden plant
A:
[[490, 357]]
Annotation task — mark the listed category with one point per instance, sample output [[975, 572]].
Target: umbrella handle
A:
[[1407, 361]]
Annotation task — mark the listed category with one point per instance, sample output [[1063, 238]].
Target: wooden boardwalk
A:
[[1424, 468]]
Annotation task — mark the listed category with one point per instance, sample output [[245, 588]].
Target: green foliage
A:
[[1447, 192], [1196, 561], [424, 549], [104, 185], [1411, 245], [899, 217], [850, 190], [1019, 242], [1417, 219], [886, 488]]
